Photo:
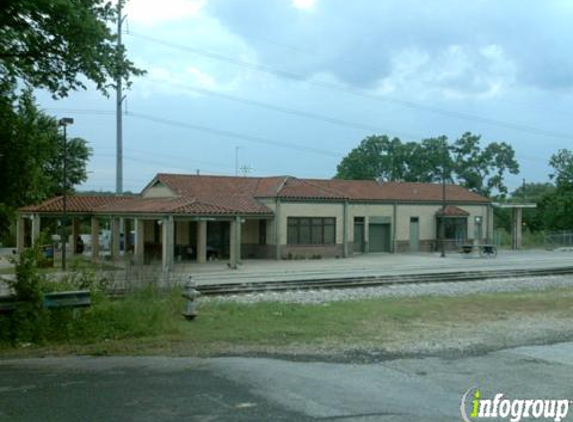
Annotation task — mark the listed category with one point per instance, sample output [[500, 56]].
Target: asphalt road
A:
[[79, 389]]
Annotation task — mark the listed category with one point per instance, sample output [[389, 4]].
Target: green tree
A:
[[465, 162], [31, 157], [562, 163], [483, 170], [375, 157], [556, 206], [51, 43]]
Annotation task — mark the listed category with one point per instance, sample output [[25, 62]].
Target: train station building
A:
[[194, 218]]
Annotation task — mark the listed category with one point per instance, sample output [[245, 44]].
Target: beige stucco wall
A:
[[427, 221], [309, 209], [427, 216], [182, 233], [270, 203], [367, 210], [158, 192], [250, 232], [425, 213]]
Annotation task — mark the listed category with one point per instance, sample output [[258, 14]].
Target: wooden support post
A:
[[35, 229], [139, 248], [201, 242], [167, 243], [21, 234], [95, 239], [115, 239]]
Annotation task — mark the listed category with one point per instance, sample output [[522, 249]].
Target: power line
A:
[[285, 110], [206, 129], [331, 86], [234, 135], [520, 156]]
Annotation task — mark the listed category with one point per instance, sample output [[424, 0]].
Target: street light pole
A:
[[65, 121], [443, 225]]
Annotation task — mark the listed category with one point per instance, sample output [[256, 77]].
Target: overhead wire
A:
[[336, 87]]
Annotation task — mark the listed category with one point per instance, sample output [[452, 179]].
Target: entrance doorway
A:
[[414, 234]]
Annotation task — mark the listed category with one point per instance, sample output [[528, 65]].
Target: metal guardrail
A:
[[73, 299]]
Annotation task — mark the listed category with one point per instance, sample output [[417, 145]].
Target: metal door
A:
[[379, 237], [414, 234]]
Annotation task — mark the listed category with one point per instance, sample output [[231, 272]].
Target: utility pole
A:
[[119, 101], [443, 225], [237, 160]]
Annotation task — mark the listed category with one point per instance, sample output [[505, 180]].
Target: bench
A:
[[484, 250]]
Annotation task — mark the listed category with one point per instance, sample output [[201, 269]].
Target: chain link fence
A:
[[559, 239]]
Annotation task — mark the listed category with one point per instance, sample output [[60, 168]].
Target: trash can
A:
[[47, 257]]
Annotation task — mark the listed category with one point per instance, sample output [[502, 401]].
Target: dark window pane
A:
[[292, 231], [329, 234], [316, 231], [304, 233], [292, 235]]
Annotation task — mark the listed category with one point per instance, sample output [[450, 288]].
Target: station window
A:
[[311, 230]]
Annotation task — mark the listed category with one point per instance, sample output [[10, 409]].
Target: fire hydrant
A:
[[190, 293]]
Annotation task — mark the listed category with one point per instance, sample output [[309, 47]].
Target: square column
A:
[[516, 224], [201, 242], [75, 234], [95, 239], [138, 251], [114, 239], [366, 234], [127, 234], [345, 226], [35, 229], [21, 234], [235, 243], [167, 243]]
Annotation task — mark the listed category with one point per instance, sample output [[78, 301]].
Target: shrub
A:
[[28, 321]]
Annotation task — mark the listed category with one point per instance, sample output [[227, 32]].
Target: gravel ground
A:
[[396, 290]]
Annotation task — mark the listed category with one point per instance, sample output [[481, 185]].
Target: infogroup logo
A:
[[474, 407]]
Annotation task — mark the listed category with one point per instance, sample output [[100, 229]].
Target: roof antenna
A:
[[245, 170]]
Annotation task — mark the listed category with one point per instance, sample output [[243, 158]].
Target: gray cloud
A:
[[359, 42]]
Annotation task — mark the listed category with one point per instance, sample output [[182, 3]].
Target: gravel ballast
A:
[[396, 290]]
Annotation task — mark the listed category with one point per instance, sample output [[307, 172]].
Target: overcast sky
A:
[[296, 84]]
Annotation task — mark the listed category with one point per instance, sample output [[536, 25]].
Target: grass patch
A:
[[149, 321]]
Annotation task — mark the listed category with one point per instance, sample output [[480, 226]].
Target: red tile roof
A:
[[77, 203], [361, 190], [201, 195], [453, 211]]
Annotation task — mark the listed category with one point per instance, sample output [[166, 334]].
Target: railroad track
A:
[[373, 281]]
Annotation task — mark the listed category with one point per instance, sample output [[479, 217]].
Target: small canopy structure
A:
[[516, 221]]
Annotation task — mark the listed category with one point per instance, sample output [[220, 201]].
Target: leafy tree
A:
[[375, 157], [562, 163], [464, 162], [556, 210], [482, 171], [556, 206], [51, 43], [58, 45], [31, 157]]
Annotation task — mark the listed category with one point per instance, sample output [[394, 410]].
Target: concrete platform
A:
[[370, 265]]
